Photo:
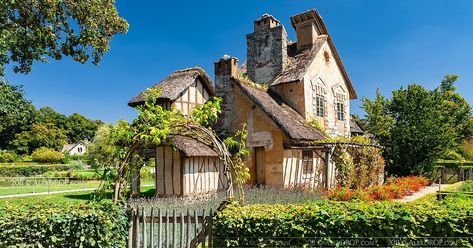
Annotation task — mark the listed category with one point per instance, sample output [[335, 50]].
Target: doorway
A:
[[259, 159]]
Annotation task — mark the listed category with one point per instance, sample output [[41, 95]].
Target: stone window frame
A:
[[319, 90], [340, 107]]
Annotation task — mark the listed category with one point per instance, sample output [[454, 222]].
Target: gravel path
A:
[[432, 189]]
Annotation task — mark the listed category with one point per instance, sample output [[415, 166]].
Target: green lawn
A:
[[67, 198], [25, 189]]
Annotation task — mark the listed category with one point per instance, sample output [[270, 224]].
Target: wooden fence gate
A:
[[153, 228]]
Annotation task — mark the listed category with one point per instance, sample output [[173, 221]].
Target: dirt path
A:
[[54, 192]]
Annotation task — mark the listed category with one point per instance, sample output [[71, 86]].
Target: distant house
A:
[[79, 148]]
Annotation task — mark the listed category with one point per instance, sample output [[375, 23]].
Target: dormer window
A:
[[319, 105]]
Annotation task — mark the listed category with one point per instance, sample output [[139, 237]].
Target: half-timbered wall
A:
[[168, 171], [195, 95], [203, 175], [180, 175], [298, 172]]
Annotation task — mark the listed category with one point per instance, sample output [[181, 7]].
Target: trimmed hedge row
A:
[[33, 170], [322, 223], [87, 225]]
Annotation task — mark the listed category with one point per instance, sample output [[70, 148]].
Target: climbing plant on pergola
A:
[[154, 125]]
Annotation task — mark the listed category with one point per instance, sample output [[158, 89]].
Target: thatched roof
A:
[[294, 72], [298, 64], [286, 118], [354, 127], [192, 147], [175, 84]]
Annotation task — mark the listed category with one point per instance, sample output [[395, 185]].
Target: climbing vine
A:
[[154, 125], [358, 162]]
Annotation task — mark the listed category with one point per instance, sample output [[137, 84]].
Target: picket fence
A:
[[157, 228]]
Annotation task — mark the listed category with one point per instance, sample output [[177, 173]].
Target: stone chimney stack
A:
[[306, 28], [266, 49], [225, 69]]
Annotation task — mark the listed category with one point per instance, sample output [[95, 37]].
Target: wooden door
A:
[[259, 159]]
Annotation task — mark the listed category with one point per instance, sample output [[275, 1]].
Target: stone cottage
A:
[[284, 87], [287, 85], [77, 149]]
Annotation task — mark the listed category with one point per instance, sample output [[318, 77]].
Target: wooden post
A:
[[137, 229], [210, 228], [166, 238], [130, 230], [196, 225], [151, 229], [203, 230], [188, 240], [182, 230], [143, 224], [160, 234], [174, 224]]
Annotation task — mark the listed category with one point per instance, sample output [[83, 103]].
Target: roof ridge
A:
[[196, 68]]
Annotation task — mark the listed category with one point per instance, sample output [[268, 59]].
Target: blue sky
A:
[[383, 44]]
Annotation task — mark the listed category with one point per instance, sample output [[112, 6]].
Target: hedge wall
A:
[[33, 170], [323, 223], [87, 225]]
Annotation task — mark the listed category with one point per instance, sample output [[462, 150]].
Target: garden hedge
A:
[[86, 225], [324, 223], [33, 170]]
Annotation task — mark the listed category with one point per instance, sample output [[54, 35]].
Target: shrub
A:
[[33, 170], [47, 155], [290, 225], [86, 225], [394, 188], [7, 156]]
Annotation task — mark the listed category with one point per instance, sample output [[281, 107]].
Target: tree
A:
[[34, 29], [48, 116], [78, 128], [16, 113], [418, 126], [40, 135]]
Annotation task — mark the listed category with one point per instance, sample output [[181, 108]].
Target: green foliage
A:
[[7, 156], [39, 135], [79, 128], [32, 30], [24, 129], [83, 225], [315, 124], [207, 113], [264, 225], [418, 126], [33, 170], [16, 113], [358, 162], [47, 155]]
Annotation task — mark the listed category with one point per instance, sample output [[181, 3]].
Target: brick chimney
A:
[[306, 28], [266, 49], [225, 69]]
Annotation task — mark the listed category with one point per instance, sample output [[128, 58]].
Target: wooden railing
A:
[[157, 228]]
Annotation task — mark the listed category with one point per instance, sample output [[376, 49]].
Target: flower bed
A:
[[394, 188]]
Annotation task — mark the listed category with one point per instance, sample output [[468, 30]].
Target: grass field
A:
[[25, 189], [65, 198]]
